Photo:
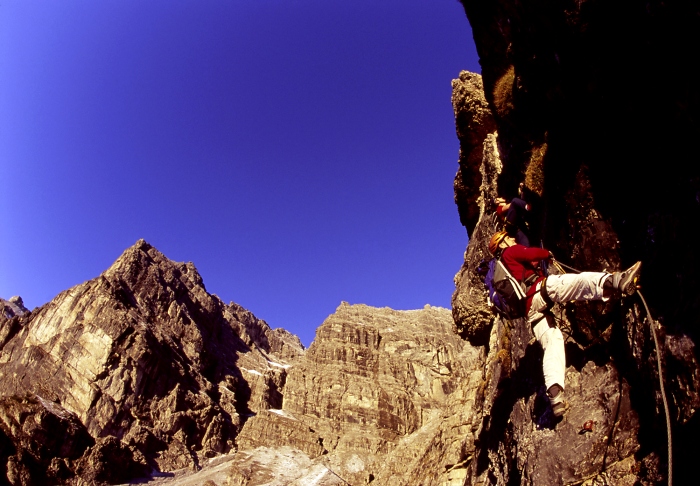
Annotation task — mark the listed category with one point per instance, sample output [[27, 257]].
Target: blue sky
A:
[[300, 153]]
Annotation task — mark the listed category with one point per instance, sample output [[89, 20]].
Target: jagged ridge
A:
[[143, 354]]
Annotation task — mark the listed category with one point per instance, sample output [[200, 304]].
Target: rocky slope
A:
[[386, 395], [141, 373], [381, 397], [138, 369]]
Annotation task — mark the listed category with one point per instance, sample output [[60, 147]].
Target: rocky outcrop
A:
[[598, 111], [601, 440], [39, 435], [615, 432], [473, 122], [381, 396], [13, 307], [578, 114], [145, 367], [471, 310]]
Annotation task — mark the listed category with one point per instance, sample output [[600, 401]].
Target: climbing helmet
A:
[[496, 240]]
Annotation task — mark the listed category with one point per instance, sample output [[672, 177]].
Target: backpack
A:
[[505, 293]]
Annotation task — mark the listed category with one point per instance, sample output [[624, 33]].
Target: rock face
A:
[[382, 395], [597, 109], [141, 367], [576, 117], [474, 122], [43, 436], [13, 307], [612, 381]]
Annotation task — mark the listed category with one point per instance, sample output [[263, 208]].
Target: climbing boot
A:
[[556, 399], [626, 282]]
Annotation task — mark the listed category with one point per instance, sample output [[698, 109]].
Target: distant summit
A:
[[13, 307], [144, 368]]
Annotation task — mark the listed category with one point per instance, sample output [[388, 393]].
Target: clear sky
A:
[[300, 153]]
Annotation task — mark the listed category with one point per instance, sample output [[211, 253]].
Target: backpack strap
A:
[[529, 281]]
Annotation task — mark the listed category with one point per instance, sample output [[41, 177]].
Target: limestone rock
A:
[[520, 440], [279, 428], [108, 461], [578, 113], [256, 332], [156, 370], [474, 122], [382, 396], [388, 392], [38, 439], [470, 307], [13, 307], [279, 466]]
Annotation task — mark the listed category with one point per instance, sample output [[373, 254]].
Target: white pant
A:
[[561, 288]]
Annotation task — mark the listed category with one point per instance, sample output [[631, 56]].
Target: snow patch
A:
[[279, 365], [252, 372], [355, 464], [281, 413]]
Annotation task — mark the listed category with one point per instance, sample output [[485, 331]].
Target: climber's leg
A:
[[576, 286], [567, 287], [554, 361]]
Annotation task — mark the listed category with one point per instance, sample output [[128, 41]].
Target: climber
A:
[[513, 214], [541, 294]]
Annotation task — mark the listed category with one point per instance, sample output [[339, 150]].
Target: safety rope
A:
[[558, 263], [663, 391], [661, 376], [326, 462]]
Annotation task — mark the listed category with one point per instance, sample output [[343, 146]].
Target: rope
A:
[[661, 376], [558, 263], [328, 468], [663, 392]]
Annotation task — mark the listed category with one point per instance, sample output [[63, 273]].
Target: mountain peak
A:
[[143, 265], [145, 354]]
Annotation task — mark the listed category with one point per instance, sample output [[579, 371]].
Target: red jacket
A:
[[522, 262]]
